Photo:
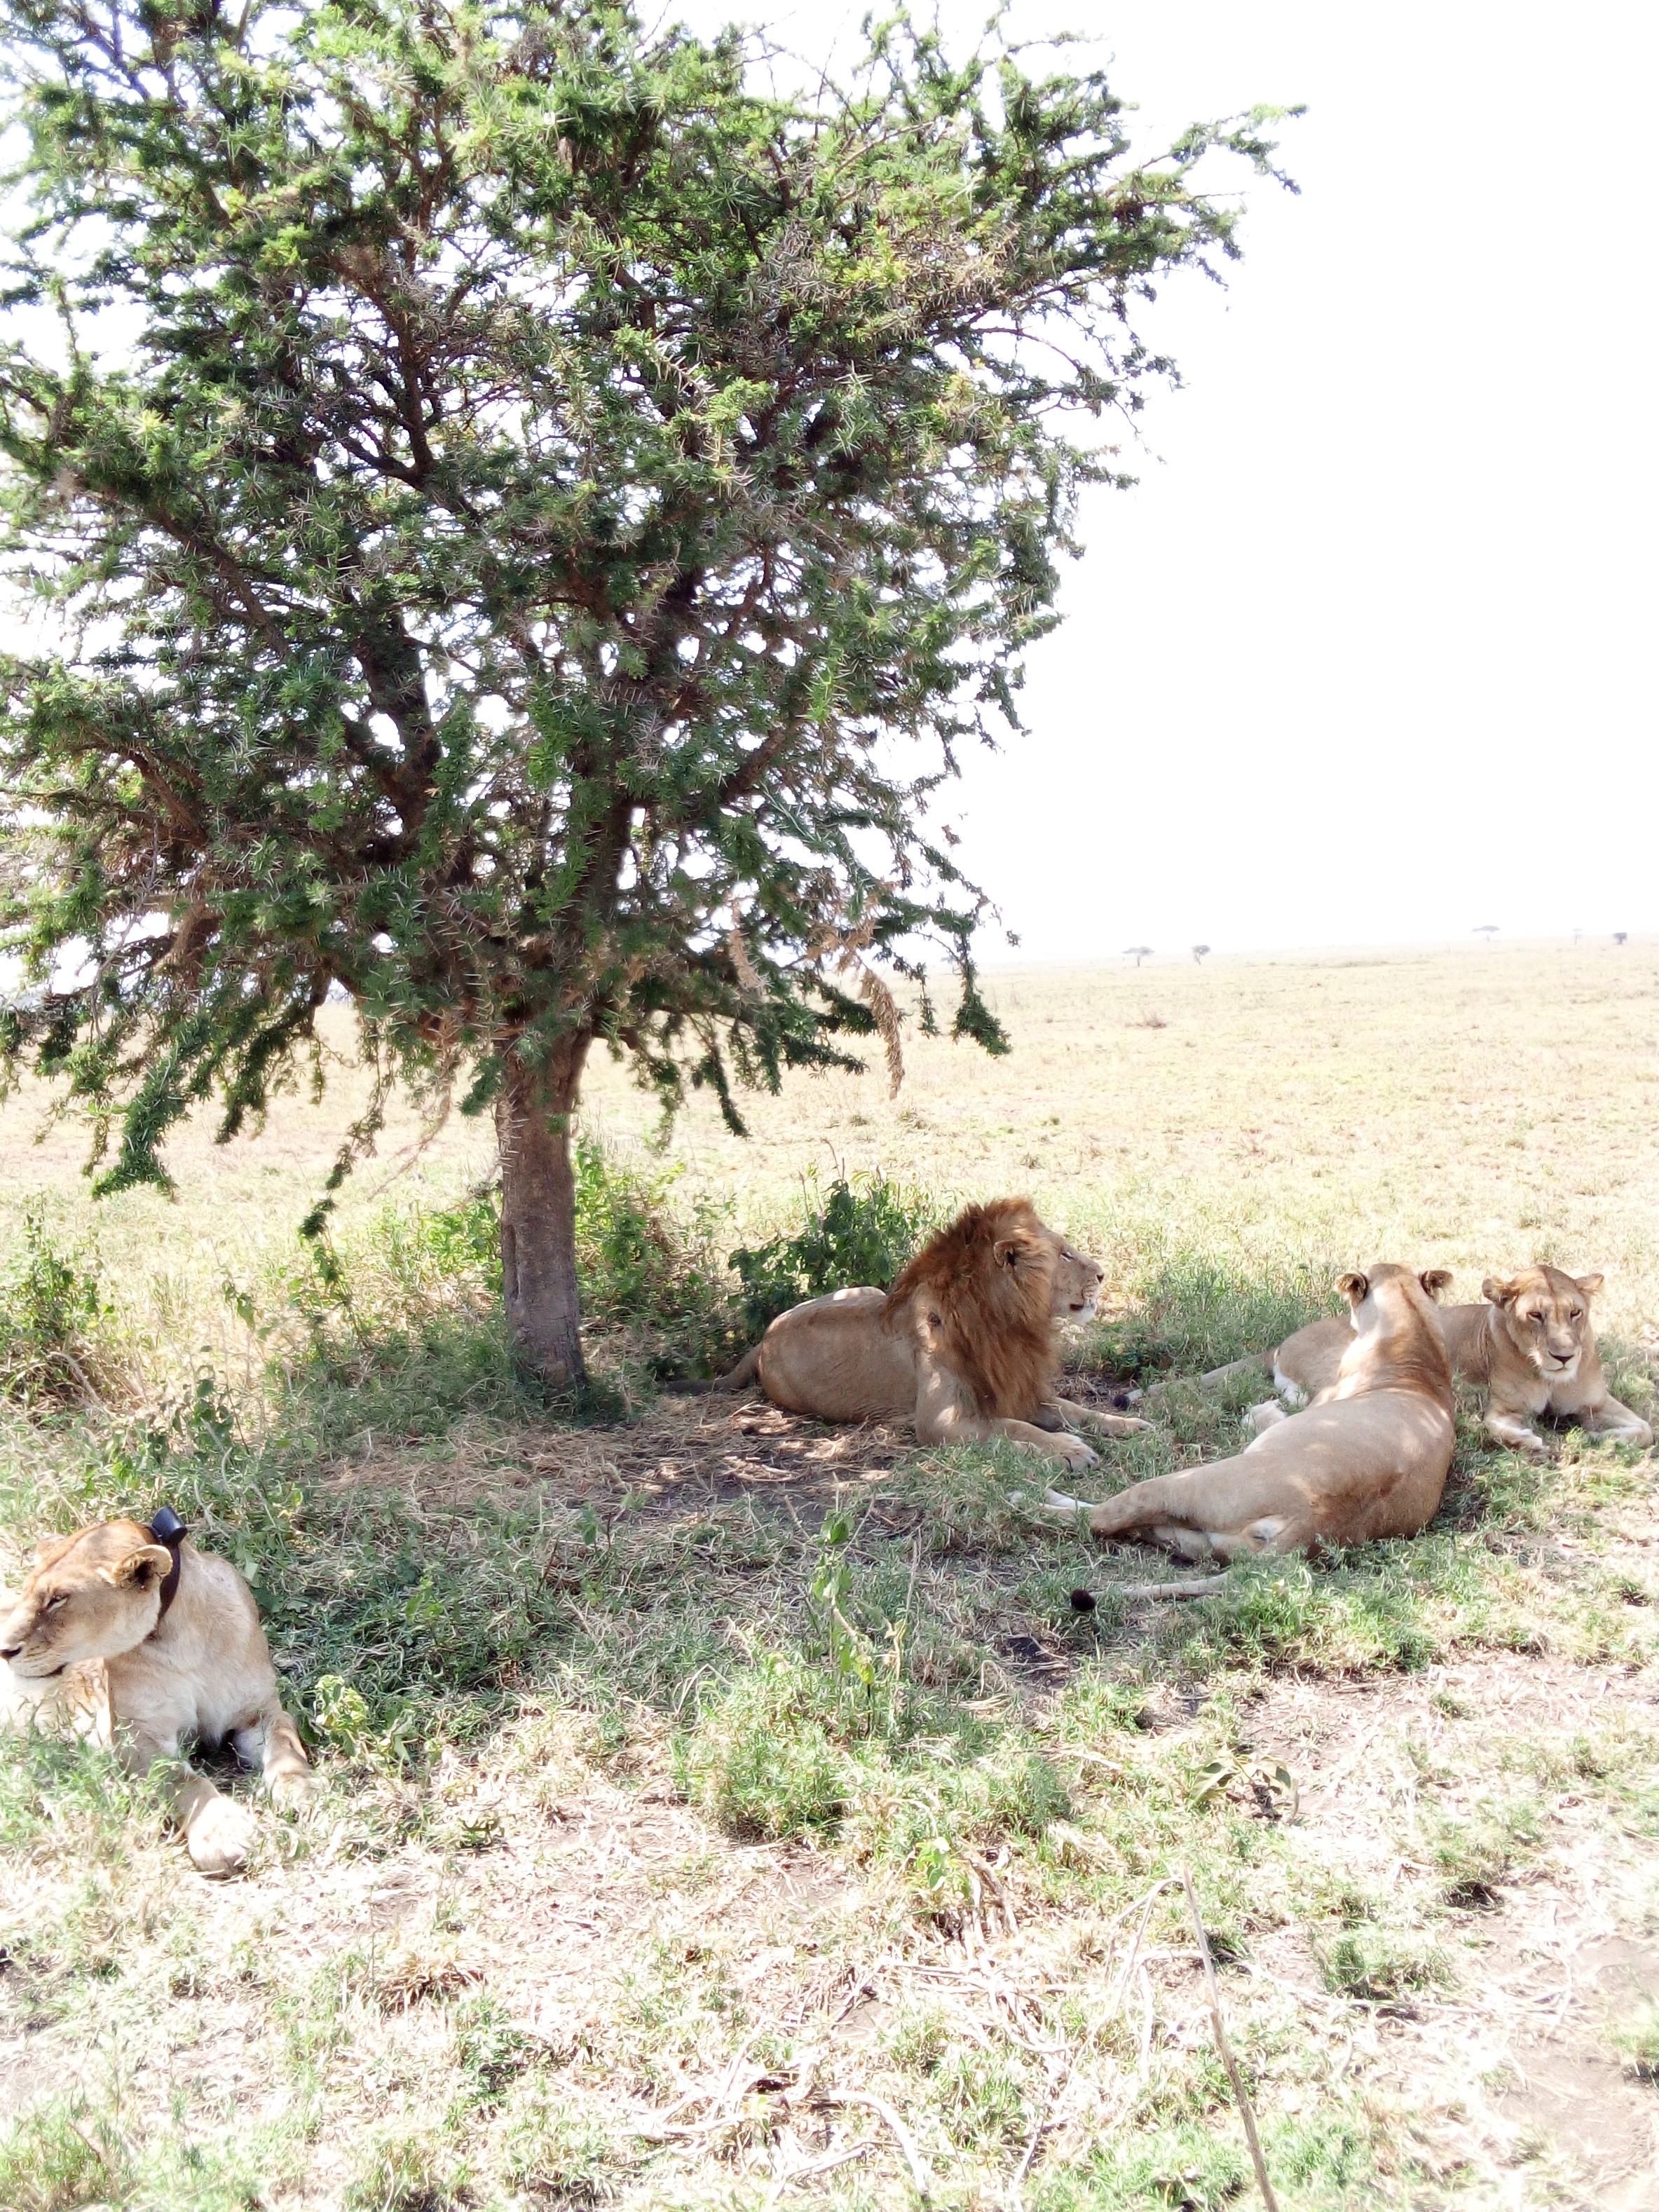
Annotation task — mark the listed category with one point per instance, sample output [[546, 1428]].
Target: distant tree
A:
[[550, 518], [1199, 952], [1136, 953], [1486, 929], [1619, 936], [1576, 935]]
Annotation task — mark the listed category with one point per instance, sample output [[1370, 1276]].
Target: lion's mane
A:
[[982, 1291]]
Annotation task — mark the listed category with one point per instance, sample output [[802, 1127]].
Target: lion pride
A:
[[964, 1343], [1531, 1345], [1369, 1460]]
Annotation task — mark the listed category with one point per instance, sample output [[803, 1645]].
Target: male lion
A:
[[1532, 1345], [138, 1643], [964, 1343], [1369, 1461]]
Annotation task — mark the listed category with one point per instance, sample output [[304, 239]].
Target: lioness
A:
[[1532, 1345], [140, 1643], [964, 1343], [1369, 1461]]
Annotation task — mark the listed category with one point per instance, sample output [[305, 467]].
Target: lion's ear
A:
[[143, 1570], [1497, 1291], [1006, 1252], [1353, 1287], [1589, 1285], [1436, 1279]]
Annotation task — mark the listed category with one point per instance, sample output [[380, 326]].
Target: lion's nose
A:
[[9, 1650]]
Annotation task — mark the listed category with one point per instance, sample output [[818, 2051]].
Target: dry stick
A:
[[884, 2111], [1245, 2111], [1196, 1586]]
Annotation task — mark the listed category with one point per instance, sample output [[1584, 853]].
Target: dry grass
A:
[[631, 1881]]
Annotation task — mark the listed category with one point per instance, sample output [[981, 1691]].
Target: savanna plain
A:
[[716, 1809]]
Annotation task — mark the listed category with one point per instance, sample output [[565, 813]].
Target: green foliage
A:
[[556, 513], [49, 1309], [764, 1757], [857, 1232], [640, 1263], [412, 1298]]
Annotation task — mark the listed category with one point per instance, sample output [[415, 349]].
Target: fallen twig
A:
[[1245, 2111], [1195, 1586], [901, 2135]]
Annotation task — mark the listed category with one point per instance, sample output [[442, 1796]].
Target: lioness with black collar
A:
[[130, 1635]]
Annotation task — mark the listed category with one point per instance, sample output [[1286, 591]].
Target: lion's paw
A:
[[220, 1836], [291, 1792], [1078, 1455]]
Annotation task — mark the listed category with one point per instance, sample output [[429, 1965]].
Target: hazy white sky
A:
[[1368, 654]]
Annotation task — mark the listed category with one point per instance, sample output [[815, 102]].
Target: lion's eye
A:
[[52, 1603]]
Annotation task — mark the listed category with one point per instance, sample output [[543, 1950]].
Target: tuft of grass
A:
[[1637, 2041], [1196, 1308], [1383, 1965], [400, 2172], [558, 2156], [62, 2155]]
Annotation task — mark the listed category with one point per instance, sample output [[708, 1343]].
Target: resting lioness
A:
[[140, 1644], [964, 1343], [1532, 1345], [1369, 1460]]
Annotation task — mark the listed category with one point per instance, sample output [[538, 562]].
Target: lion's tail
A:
[[738, 1379], [743, 1373]]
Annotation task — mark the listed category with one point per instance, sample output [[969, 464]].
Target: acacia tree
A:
[[526, 522]]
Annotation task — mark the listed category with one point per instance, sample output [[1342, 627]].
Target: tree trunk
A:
[[533, 1112]]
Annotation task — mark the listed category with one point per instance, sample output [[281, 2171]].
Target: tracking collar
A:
[[168, 1529]]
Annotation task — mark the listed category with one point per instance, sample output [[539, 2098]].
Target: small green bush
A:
[[858, 1232], [763, 1758], [51, 1307], [412, 1298]]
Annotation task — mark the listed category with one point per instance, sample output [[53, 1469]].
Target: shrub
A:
[[763, 1758], [49, 1310], [861, 1232]]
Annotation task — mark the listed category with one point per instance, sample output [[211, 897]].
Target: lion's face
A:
[[1077, 1284], [1545, 1315], [88, 1596]]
